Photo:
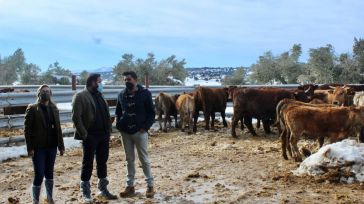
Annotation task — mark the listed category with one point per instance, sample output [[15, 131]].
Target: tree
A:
[[126, 64], [266, 70], [321, 64], [237, 78], [347, 70], [8, 71], [83, 77], [30, 74]]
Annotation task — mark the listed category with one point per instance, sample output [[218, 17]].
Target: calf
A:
[[166, 105], [185, 107]]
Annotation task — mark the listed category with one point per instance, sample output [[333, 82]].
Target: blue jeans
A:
[[43, 163], [140, 141]]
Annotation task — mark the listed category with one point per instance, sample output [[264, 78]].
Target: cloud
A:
[[205, 32]]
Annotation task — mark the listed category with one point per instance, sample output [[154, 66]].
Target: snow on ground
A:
[[347, 155], [191, 82], [64, 106], [17, 151]]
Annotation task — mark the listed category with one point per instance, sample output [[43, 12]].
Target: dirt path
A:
[[202, 168]]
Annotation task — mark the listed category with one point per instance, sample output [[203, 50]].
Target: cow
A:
[[335, 123], [209, 100], [358, 99], [283, 106], [165, 104], [339, 95], [260, 104], [185, 108]]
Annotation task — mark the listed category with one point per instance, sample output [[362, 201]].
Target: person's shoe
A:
[[128, 192], [86, 191], [150, 192], [49, 190], [35, 194], [104, 192]]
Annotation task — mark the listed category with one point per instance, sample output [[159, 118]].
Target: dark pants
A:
[[43, 163], [95, 145]]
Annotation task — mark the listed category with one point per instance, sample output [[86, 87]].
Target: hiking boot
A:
[[150, 192], [49, 189], [128, 192], [104, 192]]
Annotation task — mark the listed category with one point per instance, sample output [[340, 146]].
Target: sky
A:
[[87, 34]]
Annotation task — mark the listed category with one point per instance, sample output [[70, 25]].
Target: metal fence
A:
[[60, 96]]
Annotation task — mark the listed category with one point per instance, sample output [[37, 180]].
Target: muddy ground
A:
[[207, 167]]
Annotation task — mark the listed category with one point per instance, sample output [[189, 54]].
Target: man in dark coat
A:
[[91, 117], [135, 115]]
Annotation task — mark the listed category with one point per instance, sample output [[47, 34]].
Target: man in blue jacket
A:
[[135, 115]]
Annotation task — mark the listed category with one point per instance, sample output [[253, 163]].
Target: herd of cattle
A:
[[332, 111]]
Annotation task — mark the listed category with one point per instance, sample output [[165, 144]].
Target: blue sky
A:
[[88, 34]]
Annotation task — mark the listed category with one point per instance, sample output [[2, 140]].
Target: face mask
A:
[[129, 85], [45, 96], [100, 87]]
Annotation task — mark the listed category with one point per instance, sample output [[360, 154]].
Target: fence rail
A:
[[61, 96]]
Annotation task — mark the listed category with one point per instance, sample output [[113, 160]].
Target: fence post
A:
[[74, 82]]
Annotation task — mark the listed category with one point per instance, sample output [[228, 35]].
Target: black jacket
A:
[[136, 112]]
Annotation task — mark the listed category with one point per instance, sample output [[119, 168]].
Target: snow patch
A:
[[191, 82], [18, 151], [347, 155]]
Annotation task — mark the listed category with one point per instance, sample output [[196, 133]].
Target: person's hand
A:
[[142, 130], [31, 153], [61, 152]]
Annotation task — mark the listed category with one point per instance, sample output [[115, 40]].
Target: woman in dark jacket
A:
[[43, 135]]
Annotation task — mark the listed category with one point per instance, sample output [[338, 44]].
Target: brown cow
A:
[[185, 107], [283, 106], [339, 95], [335, 123], [166, 105], [209, 100], [260, 104]]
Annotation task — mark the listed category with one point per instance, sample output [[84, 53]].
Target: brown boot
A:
[[150, 192], [128, 192]]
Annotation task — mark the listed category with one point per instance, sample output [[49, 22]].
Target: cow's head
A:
[[230, 91], [300, 95], [309, 90], [340, 94]]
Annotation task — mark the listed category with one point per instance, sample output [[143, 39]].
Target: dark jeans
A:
[[43, 163], [95, 145]]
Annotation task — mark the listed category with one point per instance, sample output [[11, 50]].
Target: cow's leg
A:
[[266, 126], [284, 144], [195, 117], [166, 118], [189, 115], [321, 141], [249, 125], [175, 121], [234, 123], [242, 123], [258, 123], [160, 120], [183, 116], [213, 121], [207, 120], [297, 154], [288, 136], [223, 119]]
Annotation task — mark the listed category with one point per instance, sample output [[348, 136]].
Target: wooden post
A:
[[74, 82], [146, 81]]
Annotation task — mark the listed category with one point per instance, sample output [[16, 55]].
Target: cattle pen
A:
[[205, 167]]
